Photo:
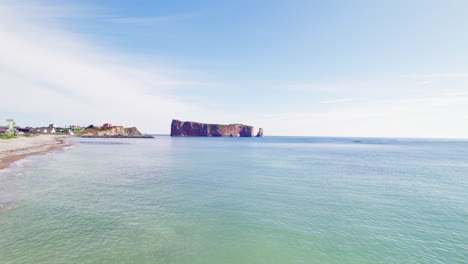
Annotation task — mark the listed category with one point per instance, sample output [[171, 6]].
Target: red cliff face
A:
[[195, 129], [115, 131]]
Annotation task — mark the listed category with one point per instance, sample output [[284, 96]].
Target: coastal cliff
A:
[[115, 131], [196, 129]]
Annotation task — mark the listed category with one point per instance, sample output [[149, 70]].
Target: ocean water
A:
[[238, 200]]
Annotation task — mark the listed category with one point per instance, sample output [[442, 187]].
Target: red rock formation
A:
[[195, 129]]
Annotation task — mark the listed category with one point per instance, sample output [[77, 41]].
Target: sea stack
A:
[[196, 129], [260, 132]]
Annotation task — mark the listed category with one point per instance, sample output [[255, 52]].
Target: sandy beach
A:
[[14, 149]]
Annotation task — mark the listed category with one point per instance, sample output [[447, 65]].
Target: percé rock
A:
[[196, 129], [115, 131], [260, 132]]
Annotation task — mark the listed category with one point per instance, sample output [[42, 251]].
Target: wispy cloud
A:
[[435, 101], [311, 87], [336, 101], [455, 74], [447, 75], [149, 21], [26, 9]]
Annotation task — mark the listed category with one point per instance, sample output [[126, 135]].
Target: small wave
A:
[[7, 207], [103, 143]]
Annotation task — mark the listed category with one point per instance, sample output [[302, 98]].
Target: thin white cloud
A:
[[34, 10], [311, 87], [447, 75], [149, 21], [457, 74], [336, 101], [435, 101], [426, 82]]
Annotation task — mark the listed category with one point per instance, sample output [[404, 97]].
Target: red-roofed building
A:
[[107, 125]]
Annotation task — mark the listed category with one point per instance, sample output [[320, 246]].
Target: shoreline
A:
[[117, 136], [14, 149]]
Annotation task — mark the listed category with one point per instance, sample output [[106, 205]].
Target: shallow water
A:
[[238, 200]]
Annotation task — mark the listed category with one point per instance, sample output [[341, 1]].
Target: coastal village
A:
[[11, 129]]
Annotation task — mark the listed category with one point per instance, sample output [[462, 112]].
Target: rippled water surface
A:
[[238, 200]]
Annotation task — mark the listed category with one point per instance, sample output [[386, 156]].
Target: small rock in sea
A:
[[260, 132]]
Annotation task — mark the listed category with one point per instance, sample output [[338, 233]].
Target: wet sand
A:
[[14, 149]]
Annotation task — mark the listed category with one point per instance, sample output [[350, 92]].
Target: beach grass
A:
[[7, 136]]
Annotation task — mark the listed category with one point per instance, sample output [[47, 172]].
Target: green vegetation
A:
[[7, 136], [11, 127]]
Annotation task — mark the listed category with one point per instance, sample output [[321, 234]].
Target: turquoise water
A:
[[238, 200]]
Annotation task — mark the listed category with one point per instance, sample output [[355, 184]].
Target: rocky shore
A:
[[112, 132], [14, 149]]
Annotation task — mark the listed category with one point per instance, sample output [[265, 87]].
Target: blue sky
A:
[[312, 68]]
